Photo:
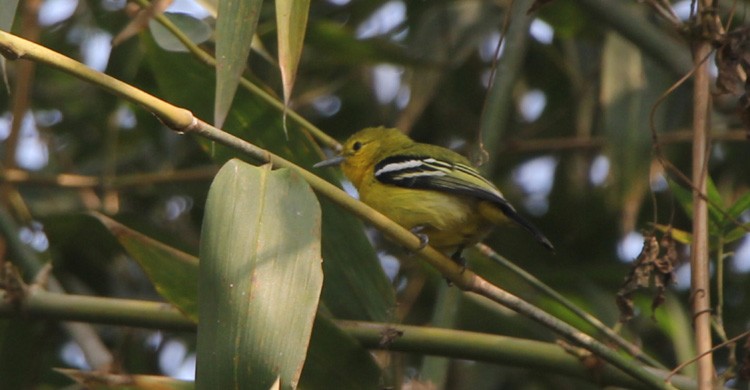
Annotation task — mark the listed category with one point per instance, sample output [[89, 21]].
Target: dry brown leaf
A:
[[654, 267]]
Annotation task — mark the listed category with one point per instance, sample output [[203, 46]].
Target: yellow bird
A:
[[428, 189]]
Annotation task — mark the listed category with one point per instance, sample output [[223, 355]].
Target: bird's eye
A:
[[357, 146]]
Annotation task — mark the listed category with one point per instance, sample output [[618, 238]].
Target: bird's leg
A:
[[459, 259], [423, 238]]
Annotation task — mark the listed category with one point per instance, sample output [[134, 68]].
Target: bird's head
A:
[[364, 149]]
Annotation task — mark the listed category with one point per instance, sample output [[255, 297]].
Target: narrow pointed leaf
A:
[[173, 272], [197, 30], [8, 14], [679, 235], [715, 202], [291, 22], [736, 233], [235, 27], [260, 278], [739, 206], [684, 197], [6, 22], [337, 361], [629, 82]]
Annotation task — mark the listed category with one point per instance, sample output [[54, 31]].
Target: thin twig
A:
[[68, 180], [699, 356], [631, 349]]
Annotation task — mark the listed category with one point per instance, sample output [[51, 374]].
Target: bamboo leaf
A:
[[715, 202], [197, 30], [235, 27], [8, 14], [291, 22], [679, 235], [21, 352], [740, 206], [684, 197], [736, 233], [6, 22], [173, 272], [629, 82], [260, 278], [337, 361]]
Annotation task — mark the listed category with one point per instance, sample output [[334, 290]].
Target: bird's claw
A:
[[423, 238], [459, 259]]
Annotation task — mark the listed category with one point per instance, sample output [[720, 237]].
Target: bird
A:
[[433, 191]]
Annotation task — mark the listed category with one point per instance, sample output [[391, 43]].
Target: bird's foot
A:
[[459, 259], [423, 238]]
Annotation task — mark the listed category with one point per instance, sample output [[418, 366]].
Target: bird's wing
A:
[[429, 173]]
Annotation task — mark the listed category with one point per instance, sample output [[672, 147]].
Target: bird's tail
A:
[[508, 212]]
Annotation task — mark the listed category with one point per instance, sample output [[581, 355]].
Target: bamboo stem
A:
[[41, 304], [700, 289]]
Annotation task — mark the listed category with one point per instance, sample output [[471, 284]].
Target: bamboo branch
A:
[[550, 357], [73, 181], [96, 353], [630, 348]]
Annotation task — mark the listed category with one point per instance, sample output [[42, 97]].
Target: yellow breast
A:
[[449, 221]]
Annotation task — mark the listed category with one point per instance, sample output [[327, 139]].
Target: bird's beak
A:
[[331, 161]]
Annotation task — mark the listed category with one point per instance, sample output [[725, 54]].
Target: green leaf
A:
[[197, 30], [629, 83], [685, 199], [463, 25], [435, 369], [291, 21], [260, 278], [337, 45], [6, 23], [736, 233], [740, 206], [336, 360], [8, 14], [676, 323], [174, 273], [23, 355], [356, 287], [679, 235], [235, 27], [715, 203]]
